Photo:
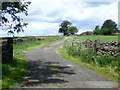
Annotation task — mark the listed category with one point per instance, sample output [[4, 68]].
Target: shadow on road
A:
[[45, 73]]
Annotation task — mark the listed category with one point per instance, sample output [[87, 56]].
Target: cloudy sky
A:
[[45, 16]]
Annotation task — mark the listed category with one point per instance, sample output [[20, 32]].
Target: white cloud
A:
[[2, 32], [45, 15], [75, 10], [39, 28]]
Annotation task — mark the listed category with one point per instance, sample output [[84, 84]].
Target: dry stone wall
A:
[[6, 47], [21, 40], [100, 48]]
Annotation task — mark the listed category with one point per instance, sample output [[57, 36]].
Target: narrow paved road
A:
[[49, 70]]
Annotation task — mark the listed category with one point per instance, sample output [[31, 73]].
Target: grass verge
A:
[[105, 72], [13, 72], [35, 43]]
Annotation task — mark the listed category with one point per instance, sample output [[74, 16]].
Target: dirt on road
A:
[[47, 69]]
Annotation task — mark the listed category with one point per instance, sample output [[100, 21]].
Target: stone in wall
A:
[[88, 43], [109, 48]]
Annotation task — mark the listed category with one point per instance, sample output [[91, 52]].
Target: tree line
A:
[[108, 28]]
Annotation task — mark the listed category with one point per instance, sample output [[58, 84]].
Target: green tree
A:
[[64, 27], [97, 30], [73, 30], [12, 22], [10, 14], [104, 31], [67, 29], [87, 33], [110, 25]]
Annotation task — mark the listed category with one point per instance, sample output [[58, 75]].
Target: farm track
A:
[[47, 69]]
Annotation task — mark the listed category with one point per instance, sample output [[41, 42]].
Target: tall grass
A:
[[75, 47]]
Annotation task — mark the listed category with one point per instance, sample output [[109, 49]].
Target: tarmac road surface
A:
[[49, 70]]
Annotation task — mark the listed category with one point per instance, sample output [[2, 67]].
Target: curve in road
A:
[[47, 69]]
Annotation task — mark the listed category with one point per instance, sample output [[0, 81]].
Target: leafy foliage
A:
[[110, 25], [107, 28], [66, 28], [104, 31], [10, 14], [72, 30], [97, 30]]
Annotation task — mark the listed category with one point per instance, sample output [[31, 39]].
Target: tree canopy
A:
[[10, 14], [108, 28], [97, 30], [72, 30], [67, 29]]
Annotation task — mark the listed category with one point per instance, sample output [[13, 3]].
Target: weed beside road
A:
[[75, 51]]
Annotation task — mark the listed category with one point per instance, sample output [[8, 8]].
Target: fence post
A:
[[96, 45], [7, 51], [0, 50]]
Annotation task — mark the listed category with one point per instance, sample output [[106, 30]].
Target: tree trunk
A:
[[65, 34]]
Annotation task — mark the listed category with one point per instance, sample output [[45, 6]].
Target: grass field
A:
[[14, 71], [35, 43], [101, 38], [75, 51]]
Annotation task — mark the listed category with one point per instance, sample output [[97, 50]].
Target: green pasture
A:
[[100, 37]]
